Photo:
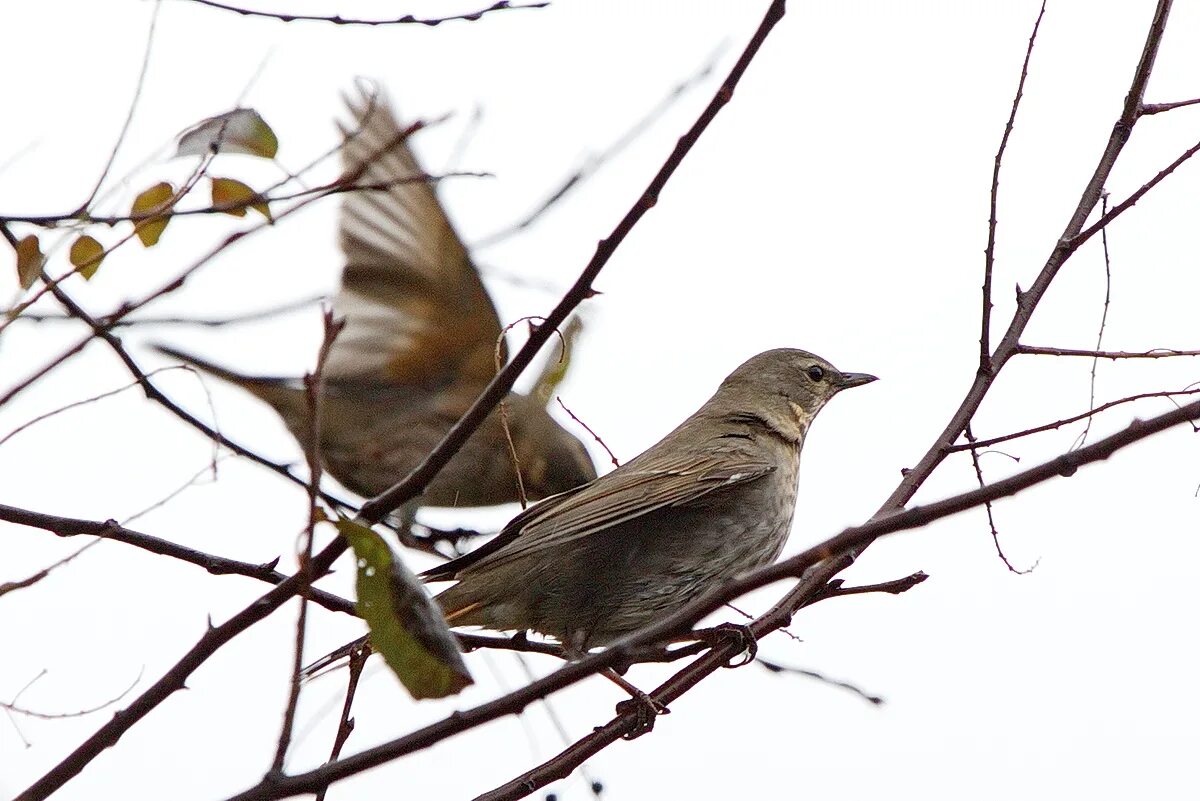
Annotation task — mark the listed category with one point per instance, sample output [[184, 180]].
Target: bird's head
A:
[[785, 388]]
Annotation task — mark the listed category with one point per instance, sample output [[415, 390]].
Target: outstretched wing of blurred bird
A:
[[416, 311]]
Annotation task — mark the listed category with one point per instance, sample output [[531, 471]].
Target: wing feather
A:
[[415, 308], [609, 501]]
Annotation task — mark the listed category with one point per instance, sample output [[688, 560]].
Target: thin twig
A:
[[991, 518], [775, 667], [597, 160], [216, 565], [1159, 108], [133, 103], [206, 322], [31, 713], [313, 389], [358, 659], [337, 19], [989, 253], [612, 456], [987, 443], [78, 403], [1155, 353], [1103, 319], [29, 581]]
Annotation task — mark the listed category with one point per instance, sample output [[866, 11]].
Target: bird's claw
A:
[[646, 710], [725, 632]]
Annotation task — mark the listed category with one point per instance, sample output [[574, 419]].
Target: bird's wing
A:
[[616, 498], [415, 309]]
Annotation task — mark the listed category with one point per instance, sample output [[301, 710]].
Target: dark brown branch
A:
[[217, 565], [407, 19]]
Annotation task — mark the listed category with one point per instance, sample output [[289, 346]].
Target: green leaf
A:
[[156, 198], [406, 626], [231, 192], [242, 130], [29, 260], [86, 254], [558, 365]]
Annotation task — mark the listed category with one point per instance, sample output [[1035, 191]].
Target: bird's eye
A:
[[816, 373]]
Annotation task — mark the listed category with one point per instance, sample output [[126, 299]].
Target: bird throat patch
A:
[[803, 419]]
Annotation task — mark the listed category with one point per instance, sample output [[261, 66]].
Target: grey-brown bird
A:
[[712, 500], [418, 346]]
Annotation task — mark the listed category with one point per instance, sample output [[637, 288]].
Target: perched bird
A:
[[418, 346], [713, 499]]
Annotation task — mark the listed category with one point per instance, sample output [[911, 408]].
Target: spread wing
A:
[[620, 496], [415, 309]]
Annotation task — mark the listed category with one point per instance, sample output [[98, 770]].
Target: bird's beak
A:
[[855, 380]]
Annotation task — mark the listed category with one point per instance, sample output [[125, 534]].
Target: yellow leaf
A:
[[29, 261], [231, 192], [242, 130], [156, 198], [86, 254]]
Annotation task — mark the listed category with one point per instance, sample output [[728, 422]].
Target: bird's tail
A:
[[285, 395]]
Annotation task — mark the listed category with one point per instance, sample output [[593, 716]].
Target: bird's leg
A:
[[646, 707], [723, 633]]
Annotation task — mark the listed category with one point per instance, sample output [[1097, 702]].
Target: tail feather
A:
[[285, 395]]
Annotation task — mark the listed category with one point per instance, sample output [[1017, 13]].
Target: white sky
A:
[[838, 204]]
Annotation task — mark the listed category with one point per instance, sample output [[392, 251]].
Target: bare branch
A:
[[206, 322], [594, 162], [313, 389], [1159, 108], [407, 19], [987, 443], [1103, 318], [775, 667], [989, 253], [358, 660], [133, 103], [1155, 353], [974, 447], [217, 565], [611, 456], [29, 581], [1128, 202], [11, 706]]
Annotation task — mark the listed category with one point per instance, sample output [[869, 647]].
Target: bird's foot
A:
[[646, 708], [726, 632]]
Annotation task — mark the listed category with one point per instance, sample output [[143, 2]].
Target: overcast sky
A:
[[838, 204]]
